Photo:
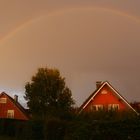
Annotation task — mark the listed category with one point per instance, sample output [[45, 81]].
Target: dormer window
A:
[[3, 100]]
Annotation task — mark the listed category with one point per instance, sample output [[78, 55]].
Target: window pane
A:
[[3, 100], [113, 107], [10, 114]]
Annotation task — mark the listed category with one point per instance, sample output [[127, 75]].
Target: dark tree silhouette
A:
[[47, 94]]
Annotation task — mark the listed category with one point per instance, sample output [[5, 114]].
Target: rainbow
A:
[[63, 11]]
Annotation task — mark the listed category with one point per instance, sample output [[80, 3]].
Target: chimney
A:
[[16, 98], [98, 84]]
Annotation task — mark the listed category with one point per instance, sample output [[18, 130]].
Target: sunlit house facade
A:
[[106, 98], [11, 109]]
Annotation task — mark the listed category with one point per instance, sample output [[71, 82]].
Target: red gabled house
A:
[[105, 97], [10, 108]]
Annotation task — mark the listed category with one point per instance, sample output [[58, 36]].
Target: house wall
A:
[[9, 105], [105, 97]]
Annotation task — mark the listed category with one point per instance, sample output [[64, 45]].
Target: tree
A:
[[47, 94]]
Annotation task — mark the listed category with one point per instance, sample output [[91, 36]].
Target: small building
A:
[[105, 97], [11, 108]]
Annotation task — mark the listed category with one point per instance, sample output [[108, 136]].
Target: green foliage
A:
[[77, 128], [103, 129], [55, 129], [47, 95], [107, 115]]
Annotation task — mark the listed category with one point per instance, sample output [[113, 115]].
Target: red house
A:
[[10, 108], [105, 97]]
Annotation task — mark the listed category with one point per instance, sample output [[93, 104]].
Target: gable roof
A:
[[87, 101], [16, 103]]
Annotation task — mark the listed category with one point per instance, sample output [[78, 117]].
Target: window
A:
[[3, 100], [103, 92], [113, 107], [10, 114], [97, 107]]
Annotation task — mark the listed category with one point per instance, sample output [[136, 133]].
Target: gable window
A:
[[113, 107], [3, 100], [103, 92], [97, 107], [10, 114]]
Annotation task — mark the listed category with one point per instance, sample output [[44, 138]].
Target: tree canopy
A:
[[47, 93]]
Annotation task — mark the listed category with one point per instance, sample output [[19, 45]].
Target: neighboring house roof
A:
[[17, 104], [87, 101]]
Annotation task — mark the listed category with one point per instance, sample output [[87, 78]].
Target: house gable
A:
[[9, 108], [106, 97]]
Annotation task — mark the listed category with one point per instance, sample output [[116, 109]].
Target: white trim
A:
[[93, 95], [114, 91], [122, 98]]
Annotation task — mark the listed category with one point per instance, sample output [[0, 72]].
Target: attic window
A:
[[3, 100], [10, 114], [103, 92]]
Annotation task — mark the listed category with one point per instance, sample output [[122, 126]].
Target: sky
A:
[[87, 40]]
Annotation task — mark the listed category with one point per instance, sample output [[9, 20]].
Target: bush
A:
[[79, 127]]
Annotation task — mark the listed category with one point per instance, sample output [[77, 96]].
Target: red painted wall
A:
[[9, 105], [105, 99]]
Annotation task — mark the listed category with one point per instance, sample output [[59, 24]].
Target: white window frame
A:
[[10, 114], [3, 100], [97, 107], [113, 107]]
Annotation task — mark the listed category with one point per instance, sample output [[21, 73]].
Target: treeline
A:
[[53, 116], [74, 127]]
